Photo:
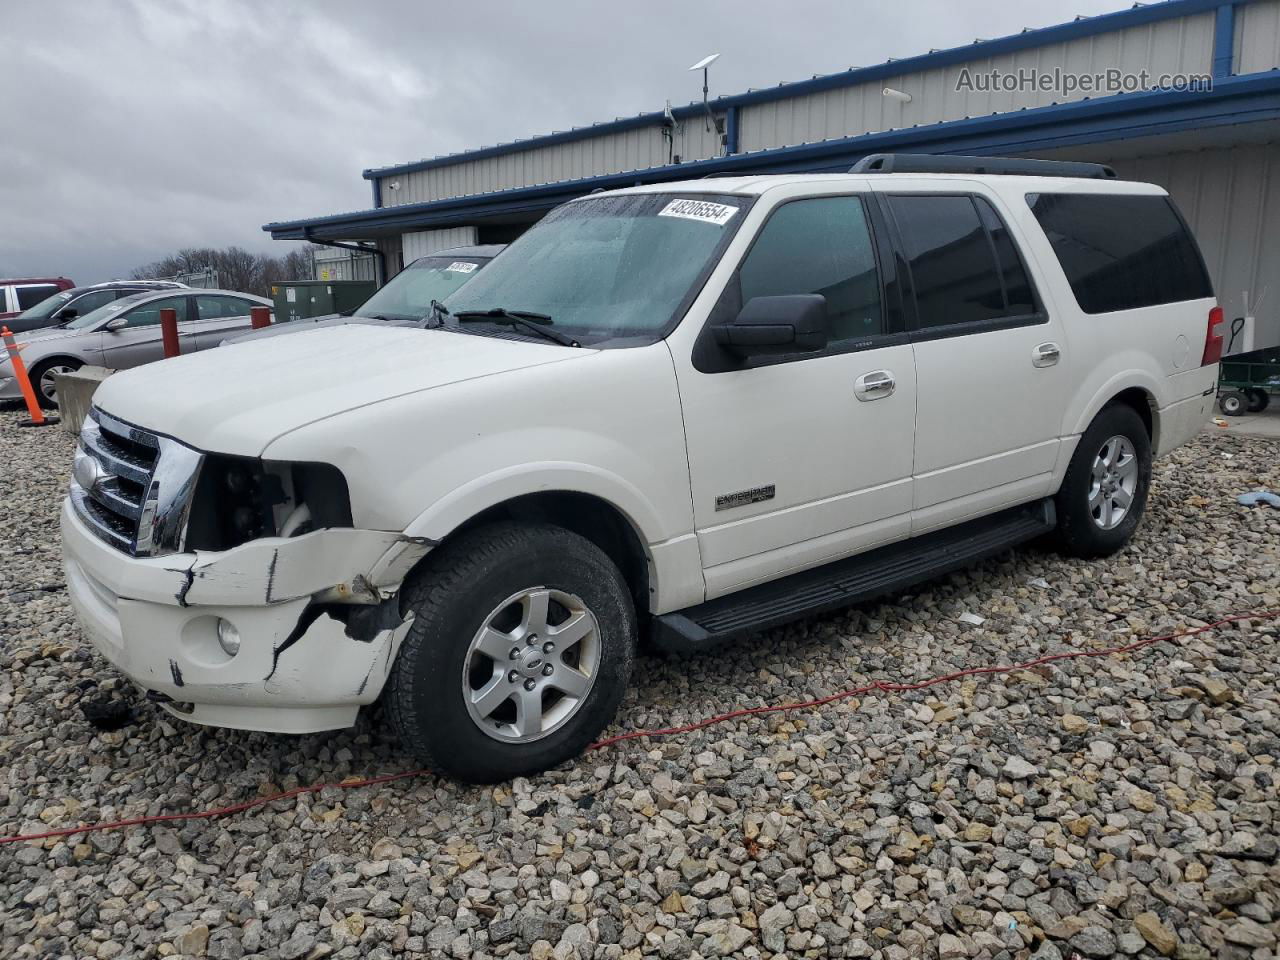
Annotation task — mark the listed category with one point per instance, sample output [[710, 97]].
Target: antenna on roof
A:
[[703, 65]]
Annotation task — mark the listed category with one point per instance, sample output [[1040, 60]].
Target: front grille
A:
[[134, 491]]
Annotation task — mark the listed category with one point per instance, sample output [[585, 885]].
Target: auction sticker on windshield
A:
[[461, 266], [704, 210]]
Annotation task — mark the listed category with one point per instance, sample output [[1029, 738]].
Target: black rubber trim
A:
[[854, 580]]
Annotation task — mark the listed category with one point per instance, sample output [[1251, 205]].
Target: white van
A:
[[683, 411]]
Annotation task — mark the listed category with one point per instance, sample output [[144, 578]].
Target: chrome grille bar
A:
[[133, 488]]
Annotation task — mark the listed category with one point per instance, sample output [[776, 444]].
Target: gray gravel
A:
[[1115, 806]]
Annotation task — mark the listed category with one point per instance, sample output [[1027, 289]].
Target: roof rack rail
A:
[[1011, 166]]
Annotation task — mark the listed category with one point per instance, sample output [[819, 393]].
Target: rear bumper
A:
[[1181, 420], [156, 620]]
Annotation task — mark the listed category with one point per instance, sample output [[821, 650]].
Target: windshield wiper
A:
[[435, 318], [528, 320]]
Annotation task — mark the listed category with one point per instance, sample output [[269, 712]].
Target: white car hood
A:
[[240, 397]]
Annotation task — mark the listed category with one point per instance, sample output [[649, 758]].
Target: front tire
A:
[[1104, 492], [42, 379], [518, 656]]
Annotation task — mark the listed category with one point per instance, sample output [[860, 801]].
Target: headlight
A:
[[239, 499]]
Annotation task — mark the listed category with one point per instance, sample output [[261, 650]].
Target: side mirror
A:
[[69, 313], [117, 323], [796, 323]]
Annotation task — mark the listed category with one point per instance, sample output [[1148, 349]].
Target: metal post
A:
[[259, 317], [169, 331]]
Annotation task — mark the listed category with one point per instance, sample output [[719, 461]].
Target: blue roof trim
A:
[[1058, 33], [1234, 100]]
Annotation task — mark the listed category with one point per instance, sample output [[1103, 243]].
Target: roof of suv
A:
[[759, 184]]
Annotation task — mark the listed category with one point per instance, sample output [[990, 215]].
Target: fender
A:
[[1100, 395], [450, 512]]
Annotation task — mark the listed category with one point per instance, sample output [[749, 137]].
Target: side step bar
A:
[[856, 579]]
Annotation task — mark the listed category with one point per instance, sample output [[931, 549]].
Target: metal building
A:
[[1207, 127]]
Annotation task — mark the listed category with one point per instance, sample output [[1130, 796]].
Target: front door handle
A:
[[874, 385], [1046, 354]]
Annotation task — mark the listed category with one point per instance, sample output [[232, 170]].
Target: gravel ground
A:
[[1124, 805]]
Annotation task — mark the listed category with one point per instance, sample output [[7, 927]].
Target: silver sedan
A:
[[126, 333]]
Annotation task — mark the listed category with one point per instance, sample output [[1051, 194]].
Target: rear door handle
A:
[[1046, 354], [874, 385]]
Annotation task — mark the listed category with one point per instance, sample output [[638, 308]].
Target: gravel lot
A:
[[1125, 805]]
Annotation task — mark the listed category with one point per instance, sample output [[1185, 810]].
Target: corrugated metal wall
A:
[[609, 153], [1257, 37], [1231, 198], [426, 242], [1182, 45]]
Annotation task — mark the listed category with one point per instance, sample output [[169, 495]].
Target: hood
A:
[[48, 333], [238, 398]]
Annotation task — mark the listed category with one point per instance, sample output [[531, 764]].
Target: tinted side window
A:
[[821, 246], [1121, 252], [90, 301], [149, 313], [1019, 300], [952, 262], [29, 296]]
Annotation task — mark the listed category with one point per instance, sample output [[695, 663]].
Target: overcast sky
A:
[[130, 128]]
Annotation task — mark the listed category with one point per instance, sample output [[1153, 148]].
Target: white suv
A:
[[683, 411]]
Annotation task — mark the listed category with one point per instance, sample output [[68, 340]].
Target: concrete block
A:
[[75, 393]]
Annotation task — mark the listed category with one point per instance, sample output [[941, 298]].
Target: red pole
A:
[[169, 331], [24, 381], [259, 317]]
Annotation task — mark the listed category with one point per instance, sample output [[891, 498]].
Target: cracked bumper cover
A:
[[156, 620]]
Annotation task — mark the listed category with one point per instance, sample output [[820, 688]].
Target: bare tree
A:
[[238, 269]]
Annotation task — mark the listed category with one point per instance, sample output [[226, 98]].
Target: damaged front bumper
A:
[[299, 668]]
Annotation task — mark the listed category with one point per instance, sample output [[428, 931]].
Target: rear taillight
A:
[[1212, 339]]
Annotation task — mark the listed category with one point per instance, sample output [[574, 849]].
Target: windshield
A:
[[105, 312], [408, 295], [48, 307], [610, 269]]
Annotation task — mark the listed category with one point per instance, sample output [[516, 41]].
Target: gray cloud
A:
[[134, 128]]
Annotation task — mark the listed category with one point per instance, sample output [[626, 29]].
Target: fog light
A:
[[228, 637]]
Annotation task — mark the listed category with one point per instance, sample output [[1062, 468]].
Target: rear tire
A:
[[1104, 492], [1258, 399], [1233, 403], [42, 379], [470, 693]]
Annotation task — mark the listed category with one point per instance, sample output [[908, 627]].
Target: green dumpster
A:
[[301, 299]]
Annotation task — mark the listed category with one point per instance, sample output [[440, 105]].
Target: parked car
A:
[[19, 295], [404, 298], [126, 333], [69, 304], [686, 410]]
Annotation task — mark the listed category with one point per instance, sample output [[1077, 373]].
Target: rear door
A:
[[140, 340], [990, 355], [217, 317], [799, 460]]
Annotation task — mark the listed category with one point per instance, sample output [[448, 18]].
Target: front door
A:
[[140, 340], [806, 458], [990, 356], [219, 317]]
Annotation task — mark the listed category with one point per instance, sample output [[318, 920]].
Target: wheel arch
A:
[[1135, 393], [588, 514]]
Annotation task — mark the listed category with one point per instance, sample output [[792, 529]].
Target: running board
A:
[[856, 579]]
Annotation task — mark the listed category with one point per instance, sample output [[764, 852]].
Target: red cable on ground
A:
[[882, 686]]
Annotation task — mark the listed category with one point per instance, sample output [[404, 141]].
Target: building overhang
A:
[[1233, 100]]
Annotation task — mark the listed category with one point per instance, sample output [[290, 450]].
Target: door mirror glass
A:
[[116, 323], [793, 323]]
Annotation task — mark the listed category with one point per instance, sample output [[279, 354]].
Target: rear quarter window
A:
[[1121, 252]]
